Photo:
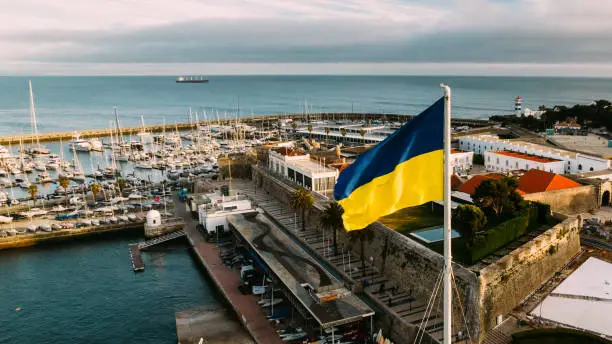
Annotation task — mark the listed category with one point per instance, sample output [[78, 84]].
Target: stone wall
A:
[[415, 268], [568, 201], [484, 294], [507, 282]]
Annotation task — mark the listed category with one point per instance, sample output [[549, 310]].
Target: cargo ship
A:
[[191, 80]]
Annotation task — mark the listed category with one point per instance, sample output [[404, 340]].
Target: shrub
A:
[[468, 220]]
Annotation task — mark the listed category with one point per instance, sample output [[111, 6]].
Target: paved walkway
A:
[[228, 281], [400, 302]]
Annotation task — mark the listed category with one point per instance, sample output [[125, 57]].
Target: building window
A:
[[498, 160], [307, 182], [291, 174], [489, 158], [579, 167], [591, 169], [299, 178], [219, 228], [517, 164]]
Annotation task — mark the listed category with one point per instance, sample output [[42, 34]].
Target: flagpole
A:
[[447, 218]]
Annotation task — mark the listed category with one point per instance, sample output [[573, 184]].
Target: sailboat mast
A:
[[33, 113], [120, 141]]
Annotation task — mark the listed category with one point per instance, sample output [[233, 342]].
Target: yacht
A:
[[145, 165], [40, 166], [79, 144], [96, 145]]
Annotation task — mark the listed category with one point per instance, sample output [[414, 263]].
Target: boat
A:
[[56, 226], [144, 165], [53, 166], [31, 228], [79, 144], [191, 80], [38, 149], [96, 145], [40, 166], [132, 217]]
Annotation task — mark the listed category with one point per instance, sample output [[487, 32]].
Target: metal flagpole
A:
[[447, 218]]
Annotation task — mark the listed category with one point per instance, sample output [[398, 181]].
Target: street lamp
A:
[[372, 263]]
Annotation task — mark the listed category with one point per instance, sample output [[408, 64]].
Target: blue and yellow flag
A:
[[404, 170]]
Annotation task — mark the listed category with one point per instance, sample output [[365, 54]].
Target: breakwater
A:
[[31, 239], [258, 121]]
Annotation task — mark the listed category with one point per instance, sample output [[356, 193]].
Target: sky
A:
[[457, 37]]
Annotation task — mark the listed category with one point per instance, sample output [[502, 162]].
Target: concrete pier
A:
[[257, 121], [227, 281], [31, 239], [136, 258], [211, 325]]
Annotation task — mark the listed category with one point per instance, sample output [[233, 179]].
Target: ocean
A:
[[75, 103], [84, 291]]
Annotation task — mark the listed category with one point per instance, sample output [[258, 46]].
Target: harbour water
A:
[[85, 292], [73, 103]]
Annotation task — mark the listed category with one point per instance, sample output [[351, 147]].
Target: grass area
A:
[[410, 219]]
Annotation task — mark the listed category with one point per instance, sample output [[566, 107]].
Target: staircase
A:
[[161, 239]]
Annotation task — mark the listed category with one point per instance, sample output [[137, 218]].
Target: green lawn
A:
[[410, 219]]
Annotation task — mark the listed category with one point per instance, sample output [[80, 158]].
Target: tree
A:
[[95, 189], [64, 182], [343, 132], [310, 129], [498, 197], [332, 219], [362, 236], [327, 134], [121, 184], [469, 220], [294, 126], [362, 132], [301, 199], [33, 192]]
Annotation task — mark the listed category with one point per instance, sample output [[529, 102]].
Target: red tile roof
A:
[[526, 156], [531, 182], [456, 182], [540, 181], [470, 186]]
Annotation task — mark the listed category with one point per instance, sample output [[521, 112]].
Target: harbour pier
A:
[[227, 282], [136, 258], [259, 121]]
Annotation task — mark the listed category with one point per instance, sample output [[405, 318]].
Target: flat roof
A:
[[309, 165], [583, 300], [519, 142], [524, 156], [589, 144], [293, 266]]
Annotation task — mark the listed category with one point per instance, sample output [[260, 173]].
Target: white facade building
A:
[[213, 215], [298, 168], [500, 161], [572, 162], [461, 161]]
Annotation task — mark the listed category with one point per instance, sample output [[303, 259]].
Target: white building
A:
[[298, 168], [213, 215], [573, 162], [461, 161], [499, 161]]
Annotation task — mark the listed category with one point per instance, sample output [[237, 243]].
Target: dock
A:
[[228, 281], [136, 258]]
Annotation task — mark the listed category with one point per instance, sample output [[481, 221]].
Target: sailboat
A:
[[37, 149]]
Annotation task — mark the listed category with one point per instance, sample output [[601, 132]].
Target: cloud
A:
[[459, 32]]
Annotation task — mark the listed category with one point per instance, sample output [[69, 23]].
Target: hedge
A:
[[555, 336], [500, 235]]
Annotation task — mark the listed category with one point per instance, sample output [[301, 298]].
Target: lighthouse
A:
[[518, 105]]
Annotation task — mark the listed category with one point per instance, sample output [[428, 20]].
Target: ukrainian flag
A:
[[404, 170]]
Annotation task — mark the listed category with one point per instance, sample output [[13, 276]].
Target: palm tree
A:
[[310, 129], [294, 126], [33, 192], [361, 235], [121, 185], [279, 124], [332, 219], [343, 132], [95, 189], [64, 182], [327, 134], [301, 199], [362, 132]]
